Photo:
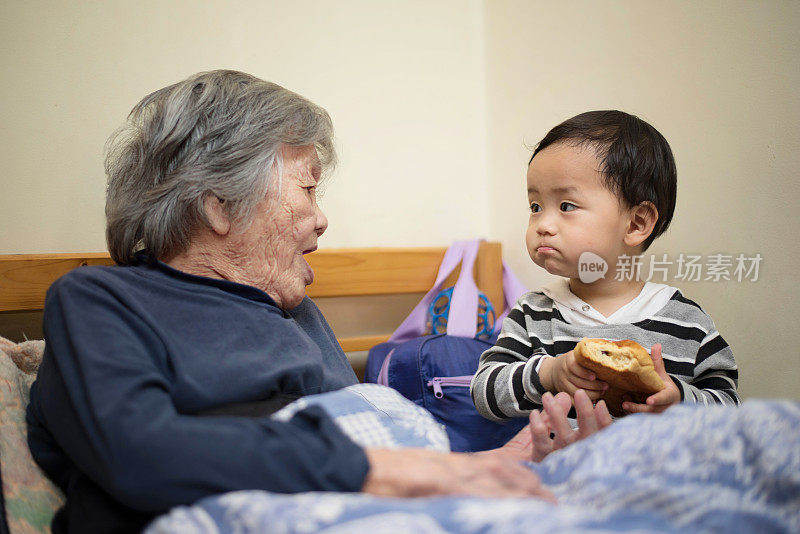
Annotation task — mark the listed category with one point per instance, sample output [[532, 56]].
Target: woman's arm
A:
[[105, 394], [421, 472]]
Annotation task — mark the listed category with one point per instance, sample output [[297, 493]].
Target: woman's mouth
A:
[[309, 272]]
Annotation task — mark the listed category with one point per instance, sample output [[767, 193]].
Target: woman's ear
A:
[[215, 213], [642, 221]]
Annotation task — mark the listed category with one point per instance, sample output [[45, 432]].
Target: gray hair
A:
[[216, 133]]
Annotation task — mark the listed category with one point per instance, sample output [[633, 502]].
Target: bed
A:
[[363, 276], [364, 291], [691, 469]]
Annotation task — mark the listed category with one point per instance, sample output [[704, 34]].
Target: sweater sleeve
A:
[[715, 374], [506, 384], [104, 395]]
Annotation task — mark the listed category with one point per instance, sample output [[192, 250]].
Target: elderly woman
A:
[[160, 373]]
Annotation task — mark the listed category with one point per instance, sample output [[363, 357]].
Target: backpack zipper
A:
[[438, 381]]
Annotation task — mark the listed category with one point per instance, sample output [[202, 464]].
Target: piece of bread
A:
[[624, 365]]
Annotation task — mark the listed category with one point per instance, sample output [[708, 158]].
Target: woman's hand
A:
[[421, 472], [550, 429], [657, 402], [534, 442], [563, 373], [521, 446]]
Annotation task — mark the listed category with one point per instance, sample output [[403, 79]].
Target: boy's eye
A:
[[535, 208], [568, 206]]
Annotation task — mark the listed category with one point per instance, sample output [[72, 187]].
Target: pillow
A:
[[30, 498]]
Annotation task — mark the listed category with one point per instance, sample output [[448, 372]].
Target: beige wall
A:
[[433, 102], [720, 81], [403, 82]]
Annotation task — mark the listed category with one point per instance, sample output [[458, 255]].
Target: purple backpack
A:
[[434, 371]]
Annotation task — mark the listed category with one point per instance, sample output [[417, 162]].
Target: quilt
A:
[[693, 468]]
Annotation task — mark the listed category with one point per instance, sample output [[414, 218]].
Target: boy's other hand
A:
[[657, 402], [563, 373]]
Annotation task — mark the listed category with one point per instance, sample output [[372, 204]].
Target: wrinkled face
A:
[[572, 211], [283, 229]]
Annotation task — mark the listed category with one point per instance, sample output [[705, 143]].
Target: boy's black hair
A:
[[637, 161]]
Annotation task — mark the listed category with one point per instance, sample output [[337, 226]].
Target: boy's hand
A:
[[657, 402], [563, 373]]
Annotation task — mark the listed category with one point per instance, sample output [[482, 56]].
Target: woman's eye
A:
[[568, 206], [535, 208]]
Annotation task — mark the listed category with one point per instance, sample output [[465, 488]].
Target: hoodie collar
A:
[[648, 302]]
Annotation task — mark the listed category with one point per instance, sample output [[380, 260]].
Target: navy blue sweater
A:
[[154, 389]]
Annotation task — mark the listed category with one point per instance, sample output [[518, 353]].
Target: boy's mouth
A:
[[543, 249]]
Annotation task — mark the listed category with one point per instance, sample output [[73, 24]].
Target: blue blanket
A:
[[691, 469]]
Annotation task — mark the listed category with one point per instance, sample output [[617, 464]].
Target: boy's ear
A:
[[217, 218], [642, 221]]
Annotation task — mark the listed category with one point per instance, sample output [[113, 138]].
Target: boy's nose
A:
[[546, 226]]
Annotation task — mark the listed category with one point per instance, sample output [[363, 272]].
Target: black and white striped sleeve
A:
[[708, 373], [715, 374], [507, 384]]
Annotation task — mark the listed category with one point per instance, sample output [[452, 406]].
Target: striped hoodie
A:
[[551, 321]]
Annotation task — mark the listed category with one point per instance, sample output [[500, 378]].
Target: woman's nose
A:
[[321, 222]]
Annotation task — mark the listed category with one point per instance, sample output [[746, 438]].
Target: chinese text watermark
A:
[[684, 267]]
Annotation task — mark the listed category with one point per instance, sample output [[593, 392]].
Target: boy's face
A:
[[572, 211]]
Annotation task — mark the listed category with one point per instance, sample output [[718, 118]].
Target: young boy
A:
[[602, 185]]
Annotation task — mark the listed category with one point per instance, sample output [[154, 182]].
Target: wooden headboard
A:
[[24, 278]]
